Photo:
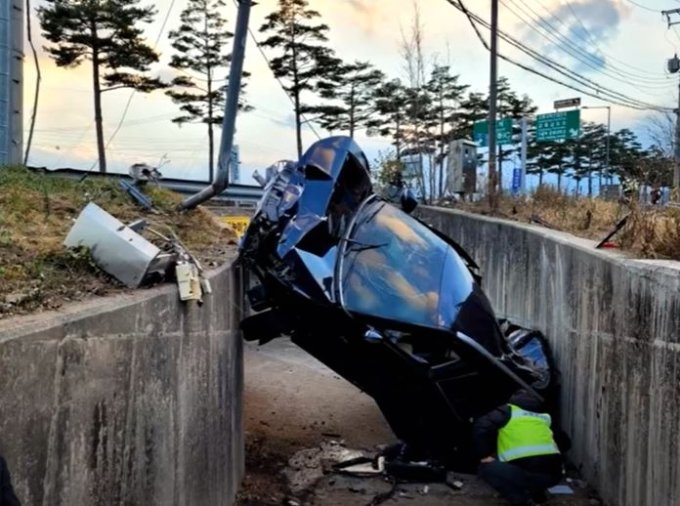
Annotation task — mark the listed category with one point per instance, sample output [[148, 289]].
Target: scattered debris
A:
[[453, 483], [143, 173], [307, 466], [137, 194], [122, 252], [561, 490]]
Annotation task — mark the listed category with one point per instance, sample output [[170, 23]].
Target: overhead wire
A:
[[592, 40], [551, 32], [278, 79], [644, 7], [571, 74], [597, 90], [132, 92]]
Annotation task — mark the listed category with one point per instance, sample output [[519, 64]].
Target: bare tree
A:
[[661, 129], [413, 56]]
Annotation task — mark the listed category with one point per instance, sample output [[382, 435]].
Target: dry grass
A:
[[36, 213], [651, 232]]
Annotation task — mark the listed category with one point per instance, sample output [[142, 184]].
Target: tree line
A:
[[420, 113]]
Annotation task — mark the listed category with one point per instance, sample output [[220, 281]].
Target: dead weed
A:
[[650, 232], [36, 213]]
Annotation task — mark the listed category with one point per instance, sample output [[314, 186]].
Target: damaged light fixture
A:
[[117, 248]]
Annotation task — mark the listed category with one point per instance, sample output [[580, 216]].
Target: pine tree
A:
[[351, 87], [594, 141], [302, 58], [539, 158], [475, 107], [202, 56], [390, 104], [106, 33]]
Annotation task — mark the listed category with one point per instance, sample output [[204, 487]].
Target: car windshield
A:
[[396, 268]]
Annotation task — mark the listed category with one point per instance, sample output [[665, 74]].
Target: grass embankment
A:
[[36, 213], [651, 231]]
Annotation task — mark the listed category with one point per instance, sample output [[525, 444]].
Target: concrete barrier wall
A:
[[130, 400], [614, 324]]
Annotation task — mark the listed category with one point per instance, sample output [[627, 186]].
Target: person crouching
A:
[[517, 451]]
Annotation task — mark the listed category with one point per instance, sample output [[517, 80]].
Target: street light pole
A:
[[609, 130], [493, 91]]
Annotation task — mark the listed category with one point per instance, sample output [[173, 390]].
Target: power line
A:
[[593, 41], [644, 7], [598, 90], [278, 79], [551, 33], [132, 93], [614, 96], [283, 87]]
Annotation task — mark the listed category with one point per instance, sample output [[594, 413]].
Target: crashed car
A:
[[388, 302]]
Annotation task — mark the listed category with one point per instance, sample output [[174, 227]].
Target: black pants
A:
[[7, 497], [515, 484]]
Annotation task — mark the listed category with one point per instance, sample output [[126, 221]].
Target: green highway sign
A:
[[558, 126], [480, 132]]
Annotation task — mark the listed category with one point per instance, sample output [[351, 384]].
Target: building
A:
[[462, 167], [11, 81]]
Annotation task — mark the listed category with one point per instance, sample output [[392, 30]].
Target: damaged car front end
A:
[[386, 301]]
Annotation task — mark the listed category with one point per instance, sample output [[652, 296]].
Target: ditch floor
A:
[[300, 417]]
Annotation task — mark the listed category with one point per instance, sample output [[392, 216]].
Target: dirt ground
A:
[[294, 405]]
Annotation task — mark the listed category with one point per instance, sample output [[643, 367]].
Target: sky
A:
[[613, 43]]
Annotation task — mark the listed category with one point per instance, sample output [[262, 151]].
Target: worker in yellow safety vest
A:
[[517, 451]]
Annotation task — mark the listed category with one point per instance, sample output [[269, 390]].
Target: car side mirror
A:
[[408, 201]]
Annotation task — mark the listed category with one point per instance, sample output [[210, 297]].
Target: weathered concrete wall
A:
[[132, 400], [614, 324]]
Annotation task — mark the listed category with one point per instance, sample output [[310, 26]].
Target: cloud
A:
[[575, 31]]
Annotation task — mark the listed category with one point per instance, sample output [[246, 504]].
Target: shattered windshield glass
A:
[[395, 268]]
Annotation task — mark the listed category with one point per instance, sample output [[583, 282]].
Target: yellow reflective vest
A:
[[527, 434]]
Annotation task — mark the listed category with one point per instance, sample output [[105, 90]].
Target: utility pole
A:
[[493, 92], [231, 109], [674, 67], [11, 82], [524, 149]]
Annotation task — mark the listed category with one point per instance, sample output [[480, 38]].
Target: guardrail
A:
[[237, 194]]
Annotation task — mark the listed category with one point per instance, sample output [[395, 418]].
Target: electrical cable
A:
[[592, 40], [644, 7], [597, 89], [552, 33], [278, 79], [283, 87], [132, 93], [561, 69]]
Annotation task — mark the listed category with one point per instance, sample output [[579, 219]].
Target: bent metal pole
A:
[[229, 122]]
